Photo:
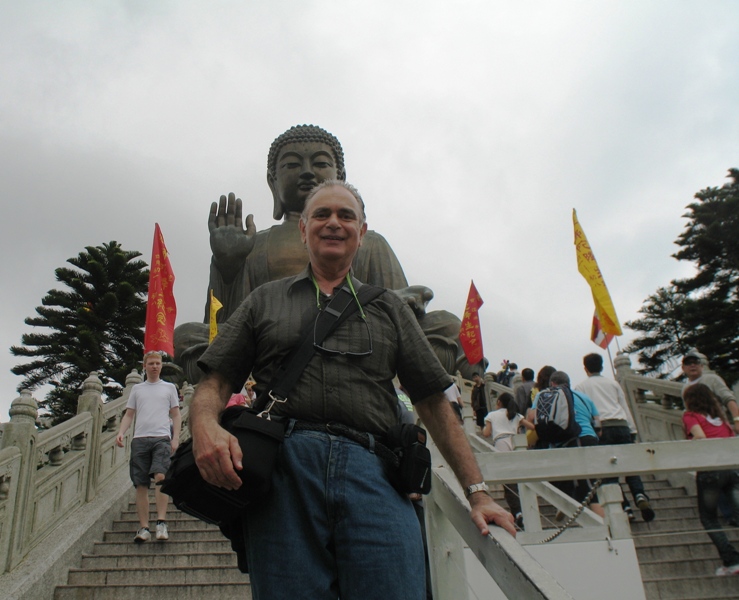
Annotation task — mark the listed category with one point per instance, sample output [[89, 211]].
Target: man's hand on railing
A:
[[485, 510]]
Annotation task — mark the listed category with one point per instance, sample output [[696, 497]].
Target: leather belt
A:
[[361, 438]]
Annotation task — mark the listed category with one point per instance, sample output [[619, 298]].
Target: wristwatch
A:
[[476, 487]]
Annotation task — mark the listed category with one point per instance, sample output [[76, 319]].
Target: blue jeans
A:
[[710, 484], [612, 436], [333, 527]]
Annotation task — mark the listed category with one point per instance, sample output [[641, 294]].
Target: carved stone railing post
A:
[[91, 401], [188, 392], [622, 364], [132, 379], [21, 433]]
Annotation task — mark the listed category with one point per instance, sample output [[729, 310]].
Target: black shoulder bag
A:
[[259, 434]]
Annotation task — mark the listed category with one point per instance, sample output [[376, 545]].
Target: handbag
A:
[[408, 442], [259, 434], [259, 439]]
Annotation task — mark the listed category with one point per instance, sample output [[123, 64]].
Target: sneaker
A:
[[519, 521], [646, 511], [162, 531], [724, 571], [629, 513], [142, 535]]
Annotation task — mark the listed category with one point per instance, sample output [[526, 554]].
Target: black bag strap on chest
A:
[[341, 307]]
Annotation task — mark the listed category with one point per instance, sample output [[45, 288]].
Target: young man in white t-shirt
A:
[[154, 402]]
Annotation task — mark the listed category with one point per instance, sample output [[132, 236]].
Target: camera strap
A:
[[341, 307]]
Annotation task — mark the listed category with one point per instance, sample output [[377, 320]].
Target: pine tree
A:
[[94, 325], [700, 311], [711, 241], [664, 338]]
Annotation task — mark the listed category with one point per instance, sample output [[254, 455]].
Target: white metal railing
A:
[[450, 530]]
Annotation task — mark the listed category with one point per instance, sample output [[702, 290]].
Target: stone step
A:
[[132, 515], [674, 502], [680, 567], [681, 550], [221, 591], [157, 576], [172, 524], [662, 524], [189, 534], [171, 508], [159, 560], [217, 543], [684, 588], [680, 536], [656, 493]]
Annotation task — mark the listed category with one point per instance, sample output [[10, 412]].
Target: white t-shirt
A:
[[453, 394], [503, 429], [152, 403]]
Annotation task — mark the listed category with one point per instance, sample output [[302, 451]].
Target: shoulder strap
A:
[[582, 400], [341, 307]]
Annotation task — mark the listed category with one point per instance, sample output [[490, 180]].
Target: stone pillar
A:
[[622, 364], [21, 433], [132, 379], [188, 391], [91, 401]]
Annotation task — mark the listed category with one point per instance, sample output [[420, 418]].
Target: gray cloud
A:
[[472, 132]]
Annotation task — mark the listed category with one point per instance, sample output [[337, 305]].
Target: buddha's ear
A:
[[341, 175], [277, 211]]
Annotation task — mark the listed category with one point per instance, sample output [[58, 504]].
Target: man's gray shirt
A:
[[357, 391]]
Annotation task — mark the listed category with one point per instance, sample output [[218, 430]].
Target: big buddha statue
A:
[[244, 258]]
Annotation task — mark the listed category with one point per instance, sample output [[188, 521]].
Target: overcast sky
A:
[[472, 130]]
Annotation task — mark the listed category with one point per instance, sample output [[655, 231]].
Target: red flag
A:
[[161, 309], [469, 334], [600, 337]]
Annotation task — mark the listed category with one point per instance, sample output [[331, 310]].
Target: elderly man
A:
[[693, 369], [333, 526]]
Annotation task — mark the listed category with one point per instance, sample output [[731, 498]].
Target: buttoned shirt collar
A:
[[307, 275]]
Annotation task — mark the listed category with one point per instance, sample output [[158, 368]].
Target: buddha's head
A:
[[300, 159]]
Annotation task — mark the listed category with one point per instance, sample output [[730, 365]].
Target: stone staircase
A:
[[196, 562], [676, 556]]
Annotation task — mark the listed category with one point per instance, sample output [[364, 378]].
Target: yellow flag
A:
[[215, 306], [589, 270]]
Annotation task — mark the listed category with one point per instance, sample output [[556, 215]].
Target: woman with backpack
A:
[[566, 419], [502, 424], [704, 418]]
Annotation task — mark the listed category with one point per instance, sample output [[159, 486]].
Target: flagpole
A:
[[610, 359]]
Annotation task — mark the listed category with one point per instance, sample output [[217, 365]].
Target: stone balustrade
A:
[[49, 476], [52, 477]]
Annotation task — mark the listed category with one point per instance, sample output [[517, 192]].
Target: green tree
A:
[[664, 338], [701, 311], [94, 325]]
